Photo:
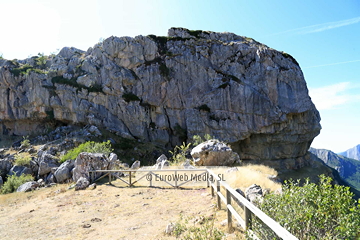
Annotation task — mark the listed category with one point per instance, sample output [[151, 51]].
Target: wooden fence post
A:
[[247, 218], [130, 179], [229, 216]]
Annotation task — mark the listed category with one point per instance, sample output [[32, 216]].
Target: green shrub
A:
[[41, 60], [22, 159], [315, 211], [197, 139], [23, 70], [25, 143], [91, 147], [13, 182], [179, 153]]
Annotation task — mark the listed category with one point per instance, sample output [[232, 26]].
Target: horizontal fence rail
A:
[[216, 184]]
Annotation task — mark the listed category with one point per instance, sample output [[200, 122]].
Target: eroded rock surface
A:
[[214, 153], [167, 89]]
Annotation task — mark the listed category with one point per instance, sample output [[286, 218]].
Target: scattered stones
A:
[[169, 228], [87, 225], [135, 165], [224, 222], [81, 184], [96, 220], [233, 169]]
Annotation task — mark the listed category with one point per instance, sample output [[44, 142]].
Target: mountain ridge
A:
[[352, 152]]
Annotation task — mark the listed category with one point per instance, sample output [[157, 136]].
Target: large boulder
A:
[[254, 193], [1, 181], [46, 163], [86, 162], [63, 172], [19, 170], [168, 89], [214, 153], [28, 186]]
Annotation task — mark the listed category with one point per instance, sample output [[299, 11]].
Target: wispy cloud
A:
[[331, 96], [320, 27], [331, 64]]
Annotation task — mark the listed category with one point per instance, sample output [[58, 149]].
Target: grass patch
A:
[[251, 174], [22, 159]]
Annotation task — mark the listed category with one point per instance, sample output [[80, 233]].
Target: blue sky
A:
[[323, 36]]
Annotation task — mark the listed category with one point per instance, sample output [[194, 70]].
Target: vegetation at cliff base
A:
[[91, 147], [315, 211]]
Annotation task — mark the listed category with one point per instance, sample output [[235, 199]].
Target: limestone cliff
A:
[[167, 89]]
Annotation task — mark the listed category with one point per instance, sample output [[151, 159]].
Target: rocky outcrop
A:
[[353, 153], [167, 89], [214, 153], [86, 162]]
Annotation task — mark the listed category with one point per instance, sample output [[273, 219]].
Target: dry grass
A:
[[250, 174], [110, 212]]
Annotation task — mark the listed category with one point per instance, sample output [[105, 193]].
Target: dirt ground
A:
[[107, 212]]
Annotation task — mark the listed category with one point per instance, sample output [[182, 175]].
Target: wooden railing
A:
[[217, 184], [248, 208]]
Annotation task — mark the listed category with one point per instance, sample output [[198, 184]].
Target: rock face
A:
[[353, 153], [167, 89], [214, 153]]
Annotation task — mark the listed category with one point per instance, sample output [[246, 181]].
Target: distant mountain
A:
[[352, 153], [348, 168]]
